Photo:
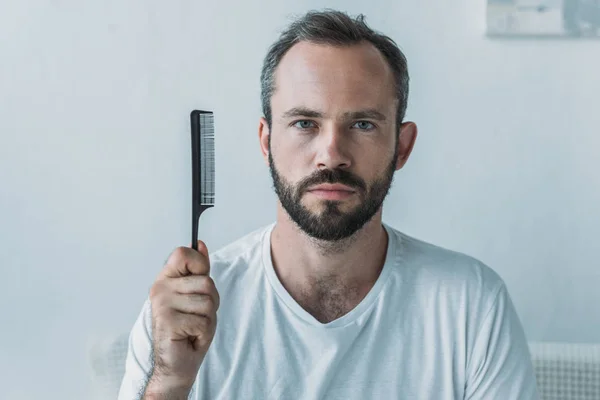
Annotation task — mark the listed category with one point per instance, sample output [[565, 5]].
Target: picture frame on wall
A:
[[544, 18]]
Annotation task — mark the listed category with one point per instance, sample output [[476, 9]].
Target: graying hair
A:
[[335, 28]]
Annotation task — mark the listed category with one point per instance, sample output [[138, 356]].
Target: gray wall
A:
[[95, 169]]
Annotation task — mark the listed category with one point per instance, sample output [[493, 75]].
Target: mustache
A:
[[332, 176]]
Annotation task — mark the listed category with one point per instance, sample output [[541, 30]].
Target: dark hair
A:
[[338, 29]]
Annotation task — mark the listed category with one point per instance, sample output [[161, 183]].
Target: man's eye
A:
[[304, 124], [364, 125]]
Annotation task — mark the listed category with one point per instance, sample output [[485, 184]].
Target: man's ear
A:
[[406, 142], [263, 138]]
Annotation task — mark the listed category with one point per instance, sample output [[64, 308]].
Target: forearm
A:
[[165, 396], [158, 389]]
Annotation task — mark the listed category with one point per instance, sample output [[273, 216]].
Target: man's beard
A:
[[332, 224]]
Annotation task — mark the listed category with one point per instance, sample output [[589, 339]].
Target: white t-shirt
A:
[[436, 325]]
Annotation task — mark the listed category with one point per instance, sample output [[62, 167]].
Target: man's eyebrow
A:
[[351, 115], [302, 112], [365, 114]]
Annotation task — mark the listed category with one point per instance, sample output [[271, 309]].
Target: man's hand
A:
[[184, 302]]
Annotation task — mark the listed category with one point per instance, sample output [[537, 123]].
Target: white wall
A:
[[95, 169]]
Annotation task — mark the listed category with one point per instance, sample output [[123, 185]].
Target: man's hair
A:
[[334, 28]]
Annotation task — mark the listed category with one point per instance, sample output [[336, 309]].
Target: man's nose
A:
[[332, 148]]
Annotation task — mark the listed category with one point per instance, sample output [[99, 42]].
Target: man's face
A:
[[328, 220], [333, 146]]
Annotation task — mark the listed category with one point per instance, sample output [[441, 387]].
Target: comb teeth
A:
[[207, 158]]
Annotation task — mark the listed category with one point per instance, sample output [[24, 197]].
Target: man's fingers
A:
[[196, 284], [201, 327], [185, 261], [197, 304]]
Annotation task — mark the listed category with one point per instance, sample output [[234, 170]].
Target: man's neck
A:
[[328, 279]]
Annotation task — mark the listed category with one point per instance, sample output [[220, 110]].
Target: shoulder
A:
[[240, 256], [448, 271], [242, 245]]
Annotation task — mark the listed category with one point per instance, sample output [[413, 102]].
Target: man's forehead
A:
[[312, 59], [358, 74]]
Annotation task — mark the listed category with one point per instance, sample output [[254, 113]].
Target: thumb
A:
[[202, 249]]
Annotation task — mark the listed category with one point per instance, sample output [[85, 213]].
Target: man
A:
[[329, 302]]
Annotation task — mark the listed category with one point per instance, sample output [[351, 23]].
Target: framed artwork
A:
[[544, 18]]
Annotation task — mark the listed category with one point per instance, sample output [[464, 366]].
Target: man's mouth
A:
[[332, 191]]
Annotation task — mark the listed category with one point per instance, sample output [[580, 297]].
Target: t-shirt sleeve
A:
[[138, 364], [500, 365]]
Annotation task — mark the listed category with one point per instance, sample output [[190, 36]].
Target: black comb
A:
[[203, 167]]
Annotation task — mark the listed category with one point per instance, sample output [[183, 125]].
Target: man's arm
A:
[[500, 364], [174, 330], [138, 365], [139, 382]]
